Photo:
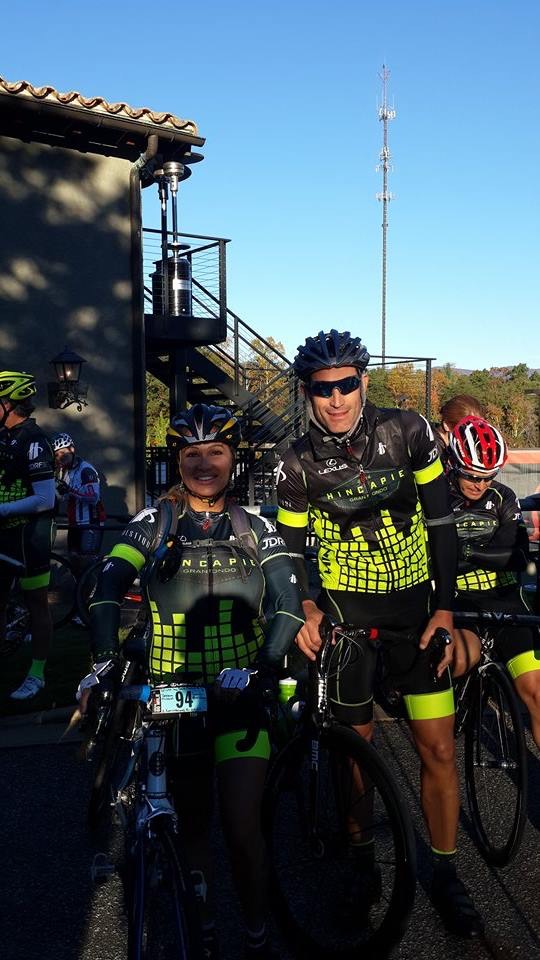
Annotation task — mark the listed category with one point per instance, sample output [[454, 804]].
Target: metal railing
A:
[[207, 257]]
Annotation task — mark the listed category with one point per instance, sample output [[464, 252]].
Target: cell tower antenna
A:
[[386, 113]]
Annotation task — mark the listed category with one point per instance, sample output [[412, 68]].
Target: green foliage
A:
[[508, 394], [157, 411], [504, 392]]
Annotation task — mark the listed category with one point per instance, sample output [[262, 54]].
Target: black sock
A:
[[444, 864]]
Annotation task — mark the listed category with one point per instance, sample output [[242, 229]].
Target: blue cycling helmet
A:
[[326, 350]]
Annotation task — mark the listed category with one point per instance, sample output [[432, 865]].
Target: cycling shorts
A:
[[353, 668], [236, 730], [30, 544], [85, 541], [516, 646]]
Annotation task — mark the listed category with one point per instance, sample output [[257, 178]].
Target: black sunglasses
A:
[[473, 478], [324, 388]]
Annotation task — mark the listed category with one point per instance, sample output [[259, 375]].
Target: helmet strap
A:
[[209, 500], [5, 413]]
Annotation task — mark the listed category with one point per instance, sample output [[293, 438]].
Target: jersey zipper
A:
[[361, 473]]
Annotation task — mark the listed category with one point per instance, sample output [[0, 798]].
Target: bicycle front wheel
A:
[[496, 766], [341, 847], [162, 912]]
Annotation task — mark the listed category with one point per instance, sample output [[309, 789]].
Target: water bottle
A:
[[290, 709]]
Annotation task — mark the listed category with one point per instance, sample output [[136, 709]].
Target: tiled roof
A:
[[99, 105]]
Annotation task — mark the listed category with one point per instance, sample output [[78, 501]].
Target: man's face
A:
[[64, 457], [339, 412]]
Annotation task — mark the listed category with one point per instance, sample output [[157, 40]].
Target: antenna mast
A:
[[386, 113]]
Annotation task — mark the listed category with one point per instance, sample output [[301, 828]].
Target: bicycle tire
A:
[[496, 766], [114, 767], [163, 921], [312, 871]]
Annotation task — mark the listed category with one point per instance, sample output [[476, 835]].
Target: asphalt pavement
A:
[[51, 909]]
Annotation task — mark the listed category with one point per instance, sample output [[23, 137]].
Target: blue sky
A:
[[286, 95]]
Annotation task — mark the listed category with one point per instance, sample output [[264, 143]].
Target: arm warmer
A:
[[287, 616], [295, 541], [442, 537], [508, 549], [42, 498], [112, 584]]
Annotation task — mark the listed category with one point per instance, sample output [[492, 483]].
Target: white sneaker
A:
[[28, 689]]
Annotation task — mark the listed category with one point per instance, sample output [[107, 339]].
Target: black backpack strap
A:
[[242, 530], [166, 523]]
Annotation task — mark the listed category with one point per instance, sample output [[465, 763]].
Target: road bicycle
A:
[[143, 728], [339, 836], [489, 713], [61, 595]]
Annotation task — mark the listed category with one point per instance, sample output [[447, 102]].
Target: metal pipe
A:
[[137, 324]]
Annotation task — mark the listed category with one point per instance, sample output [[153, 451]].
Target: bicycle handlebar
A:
[[497, 618], [433, 652]]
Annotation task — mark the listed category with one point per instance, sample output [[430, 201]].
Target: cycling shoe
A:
[[452, 900]]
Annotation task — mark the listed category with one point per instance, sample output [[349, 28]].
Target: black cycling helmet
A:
[[16, 385], [203, 423], [332, 349]]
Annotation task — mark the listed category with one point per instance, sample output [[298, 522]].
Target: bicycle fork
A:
[[154, 799]]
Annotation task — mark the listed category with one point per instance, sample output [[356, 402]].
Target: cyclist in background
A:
[[493, 551], [451, 412], [366, 478], [26, 511], [205, 599], [78, 488]]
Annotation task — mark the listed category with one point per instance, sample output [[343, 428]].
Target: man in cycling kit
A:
[[205, 597], [26, 510], [78, 488], [493, 550], [371, 484]]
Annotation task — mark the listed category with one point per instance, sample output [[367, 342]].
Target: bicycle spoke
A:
[[354, 862]]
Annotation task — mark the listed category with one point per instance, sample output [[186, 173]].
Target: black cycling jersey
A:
[[206, 597], [369, 501], [495, 535], [26, 456]]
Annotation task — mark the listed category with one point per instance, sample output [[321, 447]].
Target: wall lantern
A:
[[67, 389]]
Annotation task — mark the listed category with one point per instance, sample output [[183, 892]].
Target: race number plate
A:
[[178, 698]]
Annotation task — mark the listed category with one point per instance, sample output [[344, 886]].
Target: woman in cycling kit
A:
[[493, 548], [451, 412], [205, 598]]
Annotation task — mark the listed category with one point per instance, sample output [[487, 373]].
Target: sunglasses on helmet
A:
[[325, 388], [474, 478]]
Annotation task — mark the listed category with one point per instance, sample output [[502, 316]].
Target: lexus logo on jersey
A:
[[34, 450]]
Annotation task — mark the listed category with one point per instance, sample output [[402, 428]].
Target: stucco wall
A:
[[65, 278]]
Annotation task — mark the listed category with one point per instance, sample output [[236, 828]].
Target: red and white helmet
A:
[[477, 445]]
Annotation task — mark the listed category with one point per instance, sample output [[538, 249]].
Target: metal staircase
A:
[[245, 372]]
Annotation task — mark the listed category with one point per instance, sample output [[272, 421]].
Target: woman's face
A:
[[205, 469]]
